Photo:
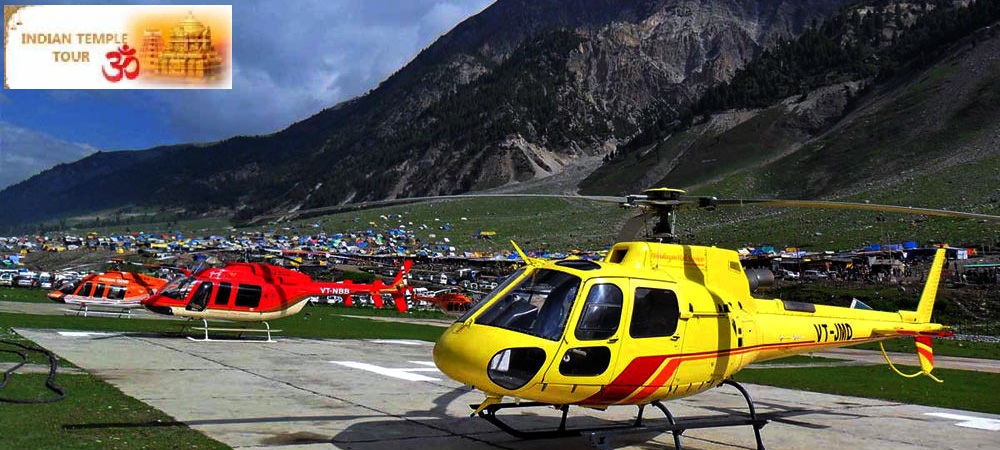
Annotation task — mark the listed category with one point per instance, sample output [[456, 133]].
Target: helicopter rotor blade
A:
[[709, 202], [407, 200], [661, 203]]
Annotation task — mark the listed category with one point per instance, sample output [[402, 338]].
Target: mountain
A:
[[917, 93], [513, 94], [24, 153], [907, 112]]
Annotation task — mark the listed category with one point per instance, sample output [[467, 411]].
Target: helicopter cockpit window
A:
[[654, 314], [539, 305], [601, 313], [100, 290], [67, 287], [503, 285], [85, 290], [178, 289]]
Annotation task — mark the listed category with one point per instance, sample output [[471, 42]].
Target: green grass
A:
[[802, 359], [24, 295], [383, 312], [129, 219], [965, 390], [94, 415]]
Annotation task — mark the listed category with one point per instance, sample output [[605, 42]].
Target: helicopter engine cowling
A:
[[759, 278]]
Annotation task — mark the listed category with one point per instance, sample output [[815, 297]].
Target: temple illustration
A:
[[189, 54]]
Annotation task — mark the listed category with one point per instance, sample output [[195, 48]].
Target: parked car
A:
[[45, 280], [27, 280], [7, 278], [813, 275]]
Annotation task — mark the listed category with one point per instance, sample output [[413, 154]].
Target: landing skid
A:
[[600, 437], [267, 329]]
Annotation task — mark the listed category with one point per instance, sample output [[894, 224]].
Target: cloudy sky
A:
[[292, 58]]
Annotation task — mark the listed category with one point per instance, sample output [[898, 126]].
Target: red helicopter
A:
[[258, 292]]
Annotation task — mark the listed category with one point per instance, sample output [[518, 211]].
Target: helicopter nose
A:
[[478, 357], [454, 358]]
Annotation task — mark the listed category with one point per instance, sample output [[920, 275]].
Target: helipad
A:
[[371, 394]]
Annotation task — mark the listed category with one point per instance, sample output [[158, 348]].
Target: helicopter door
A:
[[651, 343], [588, 346]]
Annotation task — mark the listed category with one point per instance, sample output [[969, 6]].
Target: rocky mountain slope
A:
[[880, 128], [513, 94], [928, 135]]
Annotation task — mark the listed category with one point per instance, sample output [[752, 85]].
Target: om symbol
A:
[[124, 62]]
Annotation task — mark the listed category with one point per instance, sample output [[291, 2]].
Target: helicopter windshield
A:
[[178, 289], [539, 305], [503, 286]]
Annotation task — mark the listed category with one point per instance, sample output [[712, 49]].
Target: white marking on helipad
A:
[[402, 374], [397, 341], [980, 423], [423, 363], [82, 333]]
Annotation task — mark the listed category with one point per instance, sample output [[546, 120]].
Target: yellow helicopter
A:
[[653, 321]]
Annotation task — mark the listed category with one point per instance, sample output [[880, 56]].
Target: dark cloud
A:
[[292, 59]]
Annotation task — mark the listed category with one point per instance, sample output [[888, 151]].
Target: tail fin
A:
[[926, 304], [407, 264], [400, 283], [400, 300]]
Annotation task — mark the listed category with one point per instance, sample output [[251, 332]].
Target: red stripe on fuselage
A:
[[637, 372], [657, 382], [641, 368]]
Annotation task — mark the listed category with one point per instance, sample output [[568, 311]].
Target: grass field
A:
[[841, 230], [965, 390], [24, 295], [942, 347], [94, 415], [801, 359]]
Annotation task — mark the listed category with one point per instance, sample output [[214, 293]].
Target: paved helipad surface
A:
[[305, 394]]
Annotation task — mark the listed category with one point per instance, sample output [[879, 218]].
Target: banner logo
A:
[[118, 47]]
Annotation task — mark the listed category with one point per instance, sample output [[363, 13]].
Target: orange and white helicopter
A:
[[116, 288], [258, 292], [653, 321]]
